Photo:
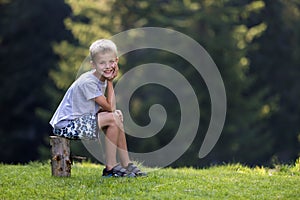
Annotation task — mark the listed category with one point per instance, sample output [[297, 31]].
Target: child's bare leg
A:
[[111, 140], [122, 149], [106, 119], [115, 138], [122, 144]]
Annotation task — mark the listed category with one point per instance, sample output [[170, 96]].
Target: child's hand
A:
[[119, 114], [115, 72]]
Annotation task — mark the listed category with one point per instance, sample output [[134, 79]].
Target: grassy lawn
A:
[[34, 181]]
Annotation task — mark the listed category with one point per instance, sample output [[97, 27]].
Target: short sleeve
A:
[[91, 90]]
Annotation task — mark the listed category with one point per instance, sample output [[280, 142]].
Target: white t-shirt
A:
[[79, 99]]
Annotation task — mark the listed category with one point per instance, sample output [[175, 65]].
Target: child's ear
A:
[[117, 59], [92, 64]]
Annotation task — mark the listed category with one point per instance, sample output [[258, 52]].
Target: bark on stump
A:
[[61, 160]]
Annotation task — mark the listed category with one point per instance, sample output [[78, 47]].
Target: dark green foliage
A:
[[275, 62], [219, 27], [255, 45], [28, 29]]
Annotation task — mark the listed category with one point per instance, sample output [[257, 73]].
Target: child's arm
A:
[[107, 103]]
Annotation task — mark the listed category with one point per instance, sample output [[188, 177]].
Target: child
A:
[[84, 110]]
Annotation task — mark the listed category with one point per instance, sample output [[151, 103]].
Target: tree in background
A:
[[221, 28], [27, 32], [253, 43], [275, 62]]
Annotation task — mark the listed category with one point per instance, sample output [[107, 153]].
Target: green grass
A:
[[34, 181]]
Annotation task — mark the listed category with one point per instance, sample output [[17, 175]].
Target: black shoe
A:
[[132, 168], [117, 171]]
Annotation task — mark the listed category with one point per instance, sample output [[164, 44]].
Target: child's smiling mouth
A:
[[108, 71]]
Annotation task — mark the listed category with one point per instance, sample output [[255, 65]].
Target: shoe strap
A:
[[121, 171], [133, 168]]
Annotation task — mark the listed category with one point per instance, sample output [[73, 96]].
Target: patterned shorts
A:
[[84, 127]]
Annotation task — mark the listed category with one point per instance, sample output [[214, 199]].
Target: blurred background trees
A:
[[255, 45], [28, 31]]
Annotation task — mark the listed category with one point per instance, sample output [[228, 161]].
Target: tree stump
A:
[[61, 160]]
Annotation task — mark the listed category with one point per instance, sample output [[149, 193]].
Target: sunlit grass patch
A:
[[232, 181]]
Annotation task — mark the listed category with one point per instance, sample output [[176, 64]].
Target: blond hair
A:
[[102, 46]]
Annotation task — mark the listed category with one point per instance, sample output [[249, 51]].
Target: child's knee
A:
[[119, 115], [107, 119]]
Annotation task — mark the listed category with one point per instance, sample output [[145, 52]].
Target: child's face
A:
[[105, 64]]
